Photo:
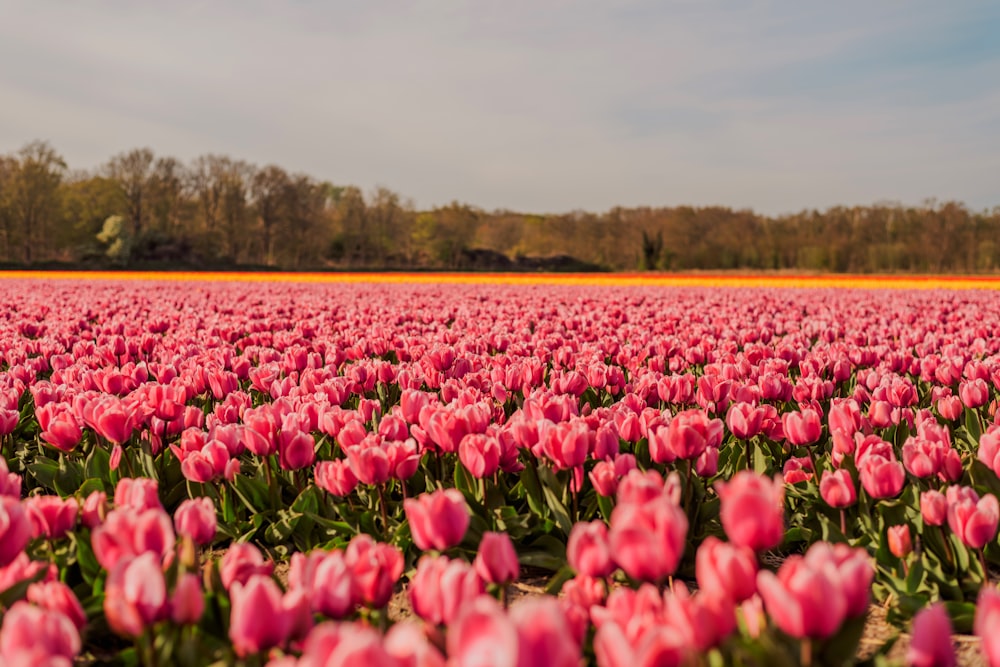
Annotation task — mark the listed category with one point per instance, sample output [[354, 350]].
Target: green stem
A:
[[749, 453], [385, 516]]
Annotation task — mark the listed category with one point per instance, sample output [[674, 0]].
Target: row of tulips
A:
[[622, 606], [306, 419]]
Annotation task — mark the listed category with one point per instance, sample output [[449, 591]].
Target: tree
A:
[[269, 192], [34, 198], [133, 172]]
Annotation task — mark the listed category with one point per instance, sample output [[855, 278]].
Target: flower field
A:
[[322, 470]]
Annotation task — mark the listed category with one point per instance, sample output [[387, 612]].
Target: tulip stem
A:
[[749, 453], [805, 652], [687, 487], [385, 516], [947, 548], [986, 569], [843, 522]]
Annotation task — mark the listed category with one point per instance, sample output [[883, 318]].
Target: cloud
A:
[[544, 106]]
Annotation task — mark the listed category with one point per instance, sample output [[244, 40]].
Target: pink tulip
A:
[[483, 636], [647, 540], [588, 550], [139, 494], [974, 393], [900, 544], [370, 463], [10, 483], [51, 516], [375, 567], [136, 595], [335, 477], [112, 419], [933, 507], [296, 448], [127, 533], [752, 511], [973, 519], [58, 597], [744, 420], [726, 569], [188, 602], [241, 562], [35, 636], [544, 637], [195, 518], [802, 428], [986, 623], [989, 448], [567, 444], [8, 421], [882, 477], [407, 642], [60, 428], [441, 586], [797, 469], [328, 580], [258, 620], [94, 510], [437, 520], [496, 561], [931, 644], [690, 432], [803, 601], [15, 530], [480, 454], [837, 488]]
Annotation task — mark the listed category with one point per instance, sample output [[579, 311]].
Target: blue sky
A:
[[543, 106]]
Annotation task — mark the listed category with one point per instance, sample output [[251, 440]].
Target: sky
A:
[[530, 105]]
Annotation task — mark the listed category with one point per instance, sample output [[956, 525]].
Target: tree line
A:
[[143, 210]]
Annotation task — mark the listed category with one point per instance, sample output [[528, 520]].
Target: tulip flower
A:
[[335, 477], [933, 507], [900, 544], [483, 634], [437, 520], [986, 623], [375, 567], [647, 539], [10, 483], [187, 603], [258, 620], [58, 597], [931, 644], [588, 550], [241, 562], [496, 561], [802, 428], [195, 518], [973, 519], [441, 586], [726, 569], [136, 595], [752, 511], [15, 530], [31, 635], [51, 516]]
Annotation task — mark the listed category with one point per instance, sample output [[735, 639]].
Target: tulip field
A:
[[371, 470]]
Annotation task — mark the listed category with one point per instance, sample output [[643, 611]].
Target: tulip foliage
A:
[[323, 475]]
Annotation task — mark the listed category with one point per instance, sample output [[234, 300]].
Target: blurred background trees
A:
[[148, 211]]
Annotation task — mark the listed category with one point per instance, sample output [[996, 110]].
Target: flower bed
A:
[[703, 475]]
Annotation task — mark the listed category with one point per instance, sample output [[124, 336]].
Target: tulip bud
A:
[[496, 562], [900, 544]]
